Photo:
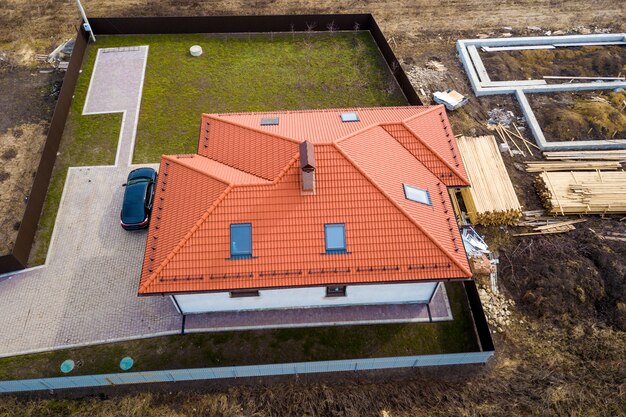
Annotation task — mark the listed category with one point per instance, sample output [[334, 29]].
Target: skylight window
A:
[[335, 236], [241, 240], [417, 194], [269, 121], [349, 116]]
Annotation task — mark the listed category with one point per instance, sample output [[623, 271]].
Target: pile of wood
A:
[[491, 198], [618, 155], [541, 166], [552, 228], [579, 192]]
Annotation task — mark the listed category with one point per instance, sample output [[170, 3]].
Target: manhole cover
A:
[[67, 366], [126, 363]]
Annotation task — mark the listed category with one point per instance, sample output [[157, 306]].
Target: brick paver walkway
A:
[[87, 292], [116, 87]]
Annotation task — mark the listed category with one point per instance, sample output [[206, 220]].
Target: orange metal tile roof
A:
[[247, 173]]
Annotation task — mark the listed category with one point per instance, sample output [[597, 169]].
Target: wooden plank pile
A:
[[579, 192], [617, 155], [491, 198], [552, 228], [540, 166]]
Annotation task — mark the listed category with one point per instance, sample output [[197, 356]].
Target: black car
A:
[[138, 198]]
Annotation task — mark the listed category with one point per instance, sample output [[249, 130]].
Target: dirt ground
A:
[[565, 349], [27, 104], [587, 61], [581, 116]]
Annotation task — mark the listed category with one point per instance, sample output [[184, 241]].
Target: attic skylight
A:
[[269, 121], [349, 116], [417, 195]]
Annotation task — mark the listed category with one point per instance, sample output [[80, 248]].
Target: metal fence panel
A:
[[244, 371]]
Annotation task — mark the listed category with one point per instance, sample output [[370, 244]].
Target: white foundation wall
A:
[[307, 297]]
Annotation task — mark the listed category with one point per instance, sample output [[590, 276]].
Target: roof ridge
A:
[[402, 210], [185, 238], [172, 158], [431, 149], [358, 132], [254, 129], [282, 173], [215, 177]]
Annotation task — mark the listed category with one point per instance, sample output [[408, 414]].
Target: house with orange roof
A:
[[314, 208]]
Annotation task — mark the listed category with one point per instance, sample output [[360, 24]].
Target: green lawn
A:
[[199, 350], [236, 73]]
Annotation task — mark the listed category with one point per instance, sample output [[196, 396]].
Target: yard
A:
[[236, 73], [199, 350]]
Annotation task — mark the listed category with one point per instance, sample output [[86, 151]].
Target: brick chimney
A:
[[307, 167]]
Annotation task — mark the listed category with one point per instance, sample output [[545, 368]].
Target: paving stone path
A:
[[115, 87]]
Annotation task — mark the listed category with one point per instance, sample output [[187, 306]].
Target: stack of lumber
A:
[[579, 192], [491, 198], [541, 166], [619, 155], [548, 229]]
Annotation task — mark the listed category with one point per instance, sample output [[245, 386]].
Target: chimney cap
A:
[[307, 156]]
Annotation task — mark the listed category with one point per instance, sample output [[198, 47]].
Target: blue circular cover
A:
[[126, 363], [67, 366]]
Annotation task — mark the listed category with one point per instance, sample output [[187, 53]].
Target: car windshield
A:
[[139, 179]]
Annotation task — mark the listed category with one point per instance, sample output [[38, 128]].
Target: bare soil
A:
[[581, 116], [564, 354], [586, 61], [24, 120]]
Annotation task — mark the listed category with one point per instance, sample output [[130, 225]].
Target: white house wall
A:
[[307, 297]]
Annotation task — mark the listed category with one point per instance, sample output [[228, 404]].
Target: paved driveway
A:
[[87, 293]]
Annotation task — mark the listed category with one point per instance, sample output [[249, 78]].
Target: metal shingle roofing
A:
[[248, 173]]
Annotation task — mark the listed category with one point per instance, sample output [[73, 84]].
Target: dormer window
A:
[[241, 241], [335, 236], [417, 194]]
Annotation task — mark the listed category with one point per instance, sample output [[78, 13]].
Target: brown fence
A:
[[18, 257]]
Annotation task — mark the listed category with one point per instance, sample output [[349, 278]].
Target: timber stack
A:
[[580, 192], [616, 155], [540, 166], [491, 199]]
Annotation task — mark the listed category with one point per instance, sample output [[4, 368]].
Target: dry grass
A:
[[20, 151]]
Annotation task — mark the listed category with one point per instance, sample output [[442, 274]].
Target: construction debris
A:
[[621, 237], [579, 192], [491, 198], [540, 166], [500, 116], [436, 65], [558, 227], [496, 308], [452, 99]]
